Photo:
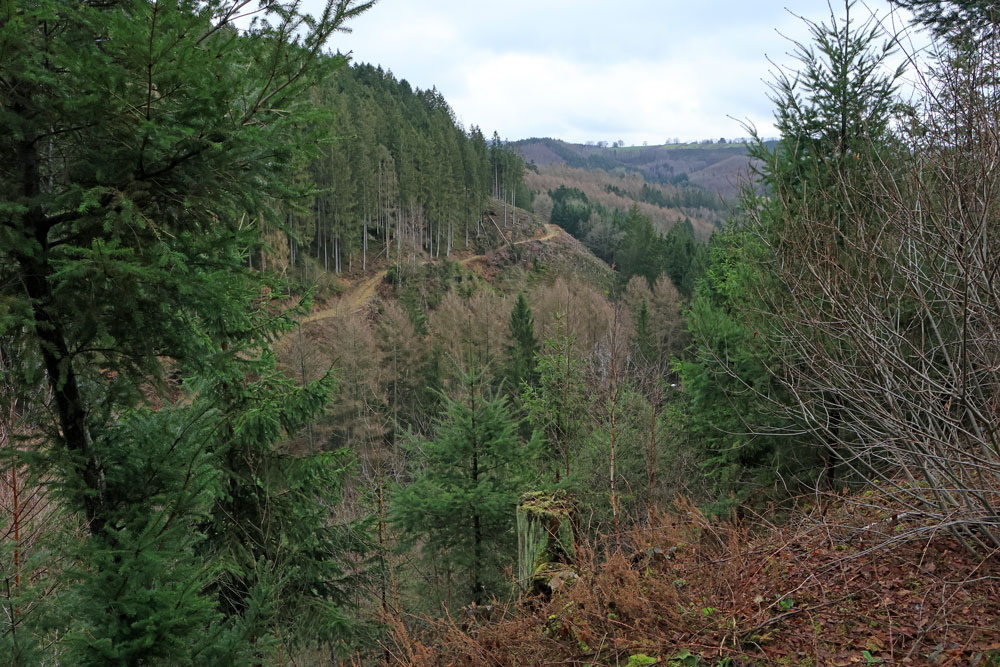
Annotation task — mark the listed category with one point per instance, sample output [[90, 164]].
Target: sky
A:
[[588, 70]]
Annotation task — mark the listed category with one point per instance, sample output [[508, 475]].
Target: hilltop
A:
[[714, 167]]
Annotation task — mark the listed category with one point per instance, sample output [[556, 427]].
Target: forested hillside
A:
[[666, 205], [834, 432], [294, 369], [630, 207], [714, 168], [396, 176]]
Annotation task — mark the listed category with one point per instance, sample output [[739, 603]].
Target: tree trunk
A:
[[477, 529], [70, 404], [546, 544]]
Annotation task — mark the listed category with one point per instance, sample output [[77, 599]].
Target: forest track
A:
[[357, 295]]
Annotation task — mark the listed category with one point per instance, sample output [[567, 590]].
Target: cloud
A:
[[631, 100], [642, 70]]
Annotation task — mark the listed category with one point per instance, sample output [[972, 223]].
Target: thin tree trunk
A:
[[651, 458], [505, 208], [70, 403], [477, 529], [615, 390]]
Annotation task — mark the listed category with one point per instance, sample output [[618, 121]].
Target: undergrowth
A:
[[829, 586]]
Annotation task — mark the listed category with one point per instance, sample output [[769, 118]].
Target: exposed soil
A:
[[363, 289]]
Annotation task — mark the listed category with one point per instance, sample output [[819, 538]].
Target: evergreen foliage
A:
[[958, 20], [523, 350], [628, 240], [570, 210], [151, 150], [557, 405], [832, 115], [466, 482], [684, 258], [744, 444], [399, 175], [149, 142], [642, 251]]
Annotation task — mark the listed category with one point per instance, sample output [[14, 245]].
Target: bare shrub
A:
[[888, 322]]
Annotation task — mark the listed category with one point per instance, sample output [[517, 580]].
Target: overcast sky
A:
[[589, 70]]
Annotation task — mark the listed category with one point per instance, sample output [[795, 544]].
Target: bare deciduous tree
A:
[[889, 317]]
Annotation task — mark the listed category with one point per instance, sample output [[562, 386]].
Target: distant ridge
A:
[[717, 167]]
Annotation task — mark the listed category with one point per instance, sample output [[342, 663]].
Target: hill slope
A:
[[809, 590], [714, 167], [665, 205]]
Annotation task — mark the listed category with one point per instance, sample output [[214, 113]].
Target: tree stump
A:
[[546, 544]]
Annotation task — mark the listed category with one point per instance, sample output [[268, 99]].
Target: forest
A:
[[295, 369]]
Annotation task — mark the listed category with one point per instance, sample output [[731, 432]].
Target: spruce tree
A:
[[835, 118], [642, 251], [958, 20], [466, 481], [557, 405], [150, 142], [522, 353]]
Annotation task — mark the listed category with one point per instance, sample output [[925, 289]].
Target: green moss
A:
[[544, 535]]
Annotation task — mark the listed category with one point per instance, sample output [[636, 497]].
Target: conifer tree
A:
[[642, 250], [958, 20], [556, 406], [834, 117], [150, 142], [523, 350], [466, 481]]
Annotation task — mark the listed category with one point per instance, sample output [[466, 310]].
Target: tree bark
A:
[[71, 407]]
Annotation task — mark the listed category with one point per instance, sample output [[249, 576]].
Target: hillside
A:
[[665, 205], [392, 173], [716, 168], [358, 289], [806, 590], [296, 368]]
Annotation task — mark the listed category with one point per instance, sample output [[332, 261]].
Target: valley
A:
[[299, 366]]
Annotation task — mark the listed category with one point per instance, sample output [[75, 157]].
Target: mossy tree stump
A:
[[546, 546]]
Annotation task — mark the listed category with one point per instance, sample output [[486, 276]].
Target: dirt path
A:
[[551, 231], [358, 295], [353, 299]]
